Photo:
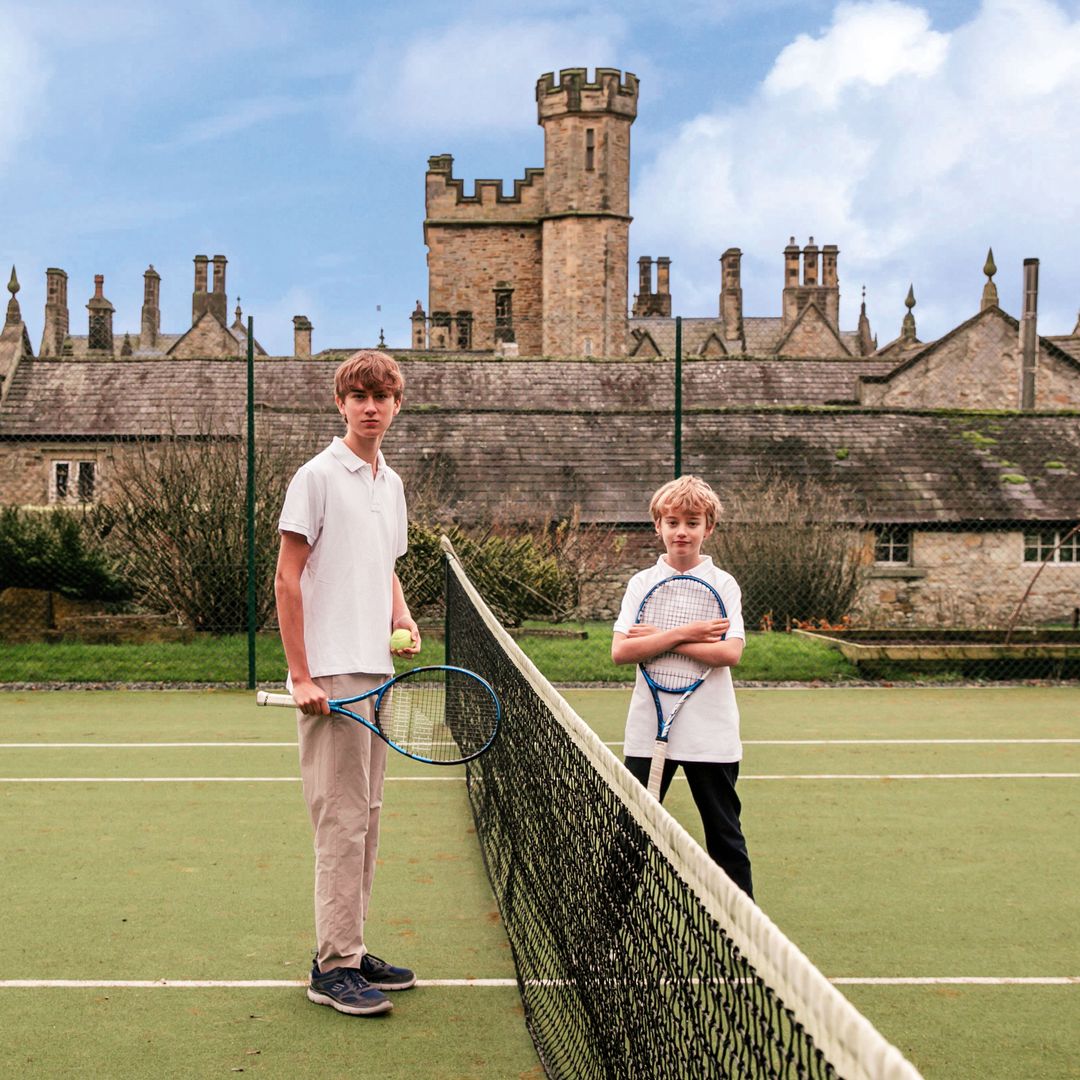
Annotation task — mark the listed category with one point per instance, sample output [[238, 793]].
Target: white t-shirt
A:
[[707, 727], [357, 528]]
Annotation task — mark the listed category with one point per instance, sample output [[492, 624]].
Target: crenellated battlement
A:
[[446, 197], [609, 92]]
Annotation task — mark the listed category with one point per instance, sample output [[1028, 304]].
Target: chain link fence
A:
[[924, 537]]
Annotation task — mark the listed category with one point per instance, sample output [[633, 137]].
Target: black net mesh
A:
[[624, 971]]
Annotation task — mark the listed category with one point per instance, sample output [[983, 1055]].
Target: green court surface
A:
[[897, 835]]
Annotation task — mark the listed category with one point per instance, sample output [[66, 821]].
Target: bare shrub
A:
[[796, 550], [176, 522]]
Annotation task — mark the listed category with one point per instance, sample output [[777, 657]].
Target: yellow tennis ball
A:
[[401, 639]]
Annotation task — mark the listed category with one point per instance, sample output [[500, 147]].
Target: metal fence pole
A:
[[678, 396], [251, 500]]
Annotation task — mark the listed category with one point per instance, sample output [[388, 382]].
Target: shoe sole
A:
[[392, 986], [349, 1010]]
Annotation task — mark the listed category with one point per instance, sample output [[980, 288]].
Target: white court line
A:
[[746, 742], [246, 984], [460, 778]]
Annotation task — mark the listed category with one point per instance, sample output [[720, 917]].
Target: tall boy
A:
[[704, 739], [343, 526]]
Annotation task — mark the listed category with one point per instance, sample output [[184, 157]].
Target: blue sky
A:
[[294, 138]]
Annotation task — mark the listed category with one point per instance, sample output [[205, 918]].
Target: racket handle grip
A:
[[263, 698], [656, 769]]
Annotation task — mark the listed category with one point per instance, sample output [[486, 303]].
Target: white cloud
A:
[[868, 43], [912, 149], [472, 78], [23, 79]]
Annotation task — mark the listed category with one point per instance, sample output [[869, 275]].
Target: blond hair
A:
[[369, 369], [688, 494]]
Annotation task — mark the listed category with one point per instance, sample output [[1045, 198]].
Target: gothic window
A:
[[590, 149], [504, 313], [464, 329]]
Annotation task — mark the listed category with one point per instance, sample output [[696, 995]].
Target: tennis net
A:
[[636, 956]]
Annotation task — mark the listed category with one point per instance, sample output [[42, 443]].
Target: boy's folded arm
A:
[[726, 653]]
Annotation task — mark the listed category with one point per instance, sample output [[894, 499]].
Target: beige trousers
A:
[[342, 765]]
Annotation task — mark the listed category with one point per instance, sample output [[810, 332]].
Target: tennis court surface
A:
[[917, 845]]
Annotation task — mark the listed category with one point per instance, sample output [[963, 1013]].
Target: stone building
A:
[[958, 458]]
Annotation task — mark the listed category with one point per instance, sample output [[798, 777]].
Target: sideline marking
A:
[[460, 778], [244, 984]]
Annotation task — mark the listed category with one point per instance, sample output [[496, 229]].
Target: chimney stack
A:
[[151, 309], [731, 299], [302, 337], [56, 313], [101, 319], [1029, 337], [200, 298], [810, 263], [218, 299]]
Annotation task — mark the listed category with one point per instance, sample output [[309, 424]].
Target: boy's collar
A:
[[354, 463], [705, 563]]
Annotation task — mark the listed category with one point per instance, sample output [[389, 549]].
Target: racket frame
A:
[[663, 724], [338, 705]]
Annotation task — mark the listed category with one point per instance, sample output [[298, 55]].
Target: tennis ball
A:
[[401, 639]]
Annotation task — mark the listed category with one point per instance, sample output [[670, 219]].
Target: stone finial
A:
[[866, 337], [125, 348], [907, 332], [238, 322], [1076, 328], [989, 293], [14, 314], [382, 340]]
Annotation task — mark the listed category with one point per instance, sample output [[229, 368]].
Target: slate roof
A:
[[762, 334], [477, 429]]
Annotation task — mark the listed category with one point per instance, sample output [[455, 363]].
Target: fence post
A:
[[251, 500], [678, 396]]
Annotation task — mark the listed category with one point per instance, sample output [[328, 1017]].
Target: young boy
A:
[[343, 526], [704, 739]]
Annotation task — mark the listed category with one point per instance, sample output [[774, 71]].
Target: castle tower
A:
[[586, 215]]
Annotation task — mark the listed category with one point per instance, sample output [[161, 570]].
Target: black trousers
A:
[[712, 783]]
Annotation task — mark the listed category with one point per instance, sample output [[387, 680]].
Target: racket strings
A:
[[441, 716], [676, 603]]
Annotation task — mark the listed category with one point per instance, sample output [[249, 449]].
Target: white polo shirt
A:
[[357, 528], [707, 727]]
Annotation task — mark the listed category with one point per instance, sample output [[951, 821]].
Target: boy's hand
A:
[[310, 699], [706, 630], [410, 625]]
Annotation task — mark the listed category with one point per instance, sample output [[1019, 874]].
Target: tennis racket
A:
[[439, 715], [676, 601]]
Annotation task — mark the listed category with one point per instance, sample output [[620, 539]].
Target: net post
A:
[[250, 499]]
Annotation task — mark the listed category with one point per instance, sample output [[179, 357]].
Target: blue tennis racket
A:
[[675, 601], [440, 715]]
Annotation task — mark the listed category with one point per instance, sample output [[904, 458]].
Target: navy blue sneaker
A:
[[346, 990], [384, 976]]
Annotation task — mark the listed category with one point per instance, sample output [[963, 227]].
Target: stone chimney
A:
[[1029, 336], [790, 305], [302, 337], [731, 299], [56, 313], [643, 299], [830, 283], [151, 309], [810, 264], [218, 299], [419, 327], [647, 302], [101, 319], [200, 298]]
